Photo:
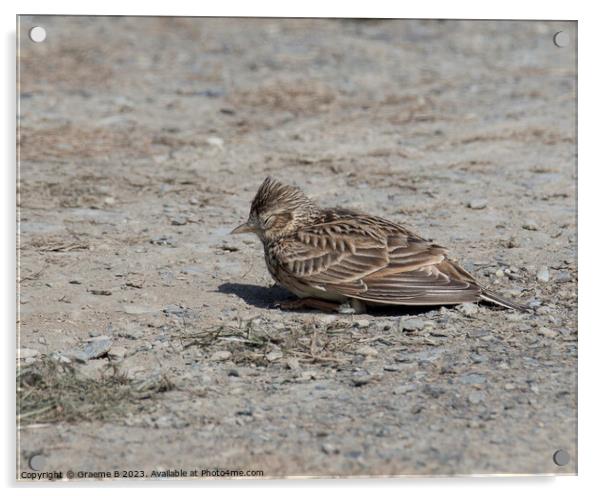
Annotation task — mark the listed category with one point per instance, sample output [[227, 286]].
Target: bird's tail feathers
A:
[[493, 297]]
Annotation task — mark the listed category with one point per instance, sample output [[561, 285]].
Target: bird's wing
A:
[[375, 261]]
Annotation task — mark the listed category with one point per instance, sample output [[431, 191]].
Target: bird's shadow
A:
[[257, 296], [266, 298]]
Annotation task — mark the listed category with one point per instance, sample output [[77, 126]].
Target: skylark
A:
[[332, 256]]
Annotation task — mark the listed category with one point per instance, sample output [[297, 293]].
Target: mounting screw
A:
[[561, 458], [37, 34], [37, 462], [561, 39]]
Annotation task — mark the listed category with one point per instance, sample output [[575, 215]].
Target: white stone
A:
[[220, 356], [543, 274]]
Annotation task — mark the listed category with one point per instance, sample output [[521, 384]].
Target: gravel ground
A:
[[142, 143]]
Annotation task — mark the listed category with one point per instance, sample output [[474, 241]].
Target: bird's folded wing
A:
[[393, 268]]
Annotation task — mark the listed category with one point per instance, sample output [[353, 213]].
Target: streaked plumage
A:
[[341, 255]]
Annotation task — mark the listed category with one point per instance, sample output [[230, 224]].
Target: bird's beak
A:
[[243, 228]]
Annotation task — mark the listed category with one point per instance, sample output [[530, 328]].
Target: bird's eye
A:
[[269, 219]]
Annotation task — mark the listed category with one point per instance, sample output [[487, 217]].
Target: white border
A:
[[590, 344], [459, 9]]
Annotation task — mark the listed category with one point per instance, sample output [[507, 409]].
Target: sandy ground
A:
[[142, 144]]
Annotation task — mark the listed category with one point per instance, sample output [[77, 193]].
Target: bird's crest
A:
[[273, 193]]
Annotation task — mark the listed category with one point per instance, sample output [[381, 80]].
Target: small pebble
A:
[[97, 347], [60, 358], [163, 241], [293, 364], [179, 221], [476, 358], [478, 333], [137, 309], [477, 204], [221, 356], [433, 391], [177, 310], [346, 309], [468, 309], [439, 334], [215, 141], [530, 225], [362, 324], [411, 324], [546, 332], [330, 449], [543, 274], [362, 380], [515, 317], [101, 292], [404, 389], [309, 375]]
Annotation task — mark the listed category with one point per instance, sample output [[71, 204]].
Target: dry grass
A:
[[48, 391], [260, 343]]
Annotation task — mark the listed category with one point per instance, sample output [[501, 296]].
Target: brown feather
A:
[[336, 254]]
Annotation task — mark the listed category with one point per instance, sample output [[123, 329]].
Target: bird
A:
[[329, 257]]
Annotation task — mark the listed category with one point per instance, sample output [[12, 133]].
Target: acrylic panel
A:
[[152, 343]]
